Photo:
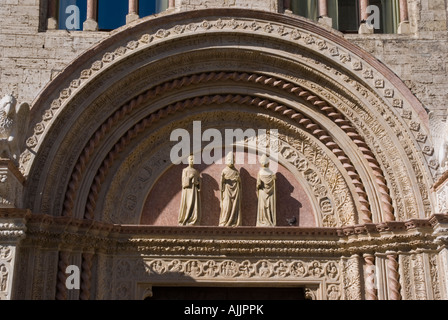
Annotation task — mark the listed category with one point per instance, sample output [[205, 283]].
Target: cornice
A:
[[73, 234]]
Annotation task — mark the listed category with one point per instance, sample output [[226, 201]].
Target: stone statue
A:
[[13, 125], [190, 204], [266, 192], [230, 195]]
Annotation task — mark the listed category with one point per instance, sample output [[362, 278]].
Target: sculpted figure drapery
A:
[[230, 195], [266, 192], [190, 205]]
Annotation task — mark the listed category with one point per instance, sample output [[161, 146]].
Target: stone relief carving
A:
[[439, 130], [435, 278], [419, 277], [4, 274], [204, 269], [11, 186], [352, 278], [406, 270], [325, 273], [333, 292], [423, 276], [378, 139], [6, 262], [442, 198]]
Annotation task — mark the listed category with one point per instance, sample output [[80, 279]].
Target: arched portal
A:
[[351, 136]]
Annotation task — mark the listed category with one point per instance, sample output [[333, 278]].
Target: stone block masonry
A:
[[30, 58]]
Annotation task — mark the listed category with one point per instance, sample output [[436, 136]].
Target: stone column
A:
[[370, 277], [91, 23], [323, 13], [86, 276], [404, 26], [440, 225], [133, 11], [393, 276], [364, 28], [61, 288], [52, 15], [171, 4]]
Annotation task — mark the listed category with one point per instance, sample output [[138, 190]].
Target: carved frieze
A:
[[152, 270]]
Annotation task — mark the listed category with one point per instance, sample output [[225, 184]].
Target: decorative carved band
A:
[[215, 269]]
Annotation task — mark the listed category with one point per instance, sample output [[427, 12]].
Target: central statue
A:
[[230, 195]]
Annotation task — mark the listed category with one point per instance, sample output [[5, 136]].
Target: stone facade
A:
[[361, 121]]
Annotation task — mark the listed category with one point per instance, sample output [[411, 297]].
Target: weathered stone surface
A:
[[362, 161]]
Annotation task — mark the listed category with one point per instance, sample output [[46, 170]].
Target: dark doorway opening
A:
[[227, 293]]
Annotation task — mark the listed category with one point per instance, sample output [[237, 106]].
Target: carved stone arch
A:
[[76, 111], [146, 159], [185, 105]]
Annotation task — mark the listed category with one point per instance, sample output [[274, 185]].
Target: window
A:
[[346, 15], [305, 8], [72, 14], [109, 14], [112, 14], [149, 7], [389, 13]]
